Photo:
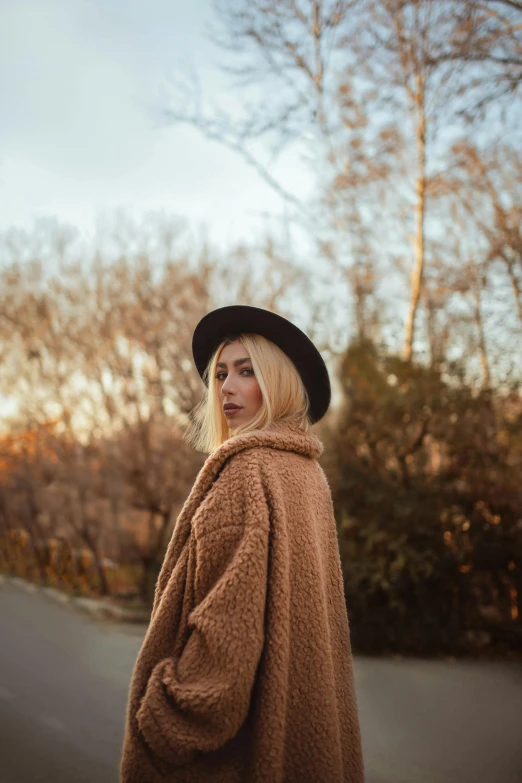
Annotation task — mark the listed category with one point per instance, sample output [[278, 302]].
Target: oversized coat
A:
[[245, 673]]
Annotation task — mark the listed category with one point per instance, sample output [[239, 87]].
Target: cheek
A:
[[255, 394], [259, 394]]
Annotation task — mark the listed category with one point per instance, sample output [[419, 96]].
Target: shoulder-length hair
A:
[[284, 396]]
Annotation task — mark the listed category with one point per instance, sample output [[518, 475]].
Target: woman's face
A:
[[237, 385]]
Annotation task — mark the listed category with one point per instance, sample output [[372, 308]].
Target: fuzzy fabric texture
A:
[[245, 673]]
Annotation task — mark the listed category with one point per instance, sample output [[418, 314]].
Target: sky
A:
[[78, 138]]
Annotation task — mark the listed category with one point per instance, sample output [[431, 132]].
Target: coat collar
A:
[[282, 435]]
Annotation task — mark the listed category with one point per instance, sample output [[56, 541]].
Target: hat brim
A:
[[225, 322]]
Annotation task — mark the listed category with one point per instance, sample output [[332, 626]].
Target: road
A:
[[64, 678]]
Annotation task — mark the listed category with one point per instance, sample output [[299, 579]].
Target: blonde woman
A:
[[245, 673]]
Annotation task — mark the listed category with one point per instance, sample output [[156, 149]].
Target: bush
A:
[[423, 470]]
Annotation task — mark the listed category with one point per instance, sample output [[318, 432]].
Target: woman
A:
[[245, 673]]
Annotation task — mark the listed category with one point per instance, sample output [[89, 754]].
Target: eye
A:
[[248, 370]]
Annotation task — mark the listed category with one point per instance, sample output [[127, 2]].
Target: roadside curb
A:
[[92, 606]]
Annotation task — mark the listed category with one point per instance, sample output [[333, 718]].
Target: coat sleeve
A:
[[198, 703]]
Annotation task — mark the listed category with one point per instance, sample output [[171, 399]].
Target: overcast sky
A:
[[75, 137]]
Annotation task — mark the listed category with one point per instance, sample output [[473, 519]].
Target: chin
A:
[[233, 425]]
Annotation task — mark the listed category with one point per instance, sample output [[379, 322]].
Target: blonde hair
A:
[[284, 396]]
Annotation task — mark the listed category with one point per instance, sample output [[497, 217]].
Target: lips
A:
[[230, 406]]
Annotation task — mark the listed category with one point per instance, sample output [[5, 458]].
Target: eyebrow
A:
[[237, 363]]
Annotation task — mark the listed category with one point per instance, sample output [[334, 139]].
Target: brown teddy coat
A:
[[245, 673]]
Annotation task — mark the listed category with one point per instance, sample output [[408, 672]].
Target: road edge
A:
[[93, 606]]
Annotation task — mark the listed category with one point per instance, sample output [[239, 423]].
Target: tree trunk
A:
[[37, 536], [148, 579], [418, 265], [516, 288], [100, 571], [150, 561], [433, 339], [486, 377], [92, 543], [39, 555], [359, 307]]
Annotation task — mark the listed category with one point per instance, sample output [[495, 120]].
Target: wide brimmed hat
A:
[[227, 322]]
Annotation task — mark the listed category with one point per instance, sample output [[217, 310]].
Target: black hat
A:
[[226, 322]]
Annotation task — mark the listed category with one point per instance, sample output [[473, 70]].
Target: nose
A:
[[228, 387]]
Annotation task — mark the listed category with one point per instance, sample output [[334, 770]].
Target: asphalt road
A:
[[63, 689]]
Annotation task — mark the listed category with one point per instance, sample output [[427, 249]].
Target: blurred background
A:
[[354, 165]]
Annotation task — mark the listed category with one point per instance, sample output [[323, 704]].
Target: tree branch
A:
[[239, 148]]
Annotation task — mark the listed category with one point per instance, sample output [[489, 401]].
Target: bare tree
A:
[[297, 53], [342, 80], [105, 348], [486, 37], [397, 52], [487, 184]]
